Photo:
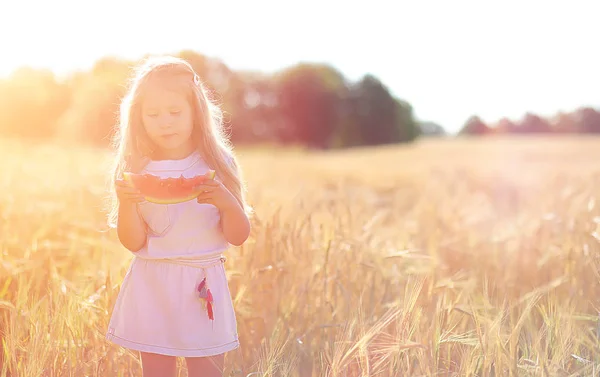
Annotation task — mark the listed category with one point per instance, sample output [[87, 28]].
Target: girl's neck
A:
[[174, 154]]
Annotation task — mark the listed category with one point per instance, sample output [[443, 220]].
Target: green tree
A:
[[31, 101], [503, 126], [564, 122], [309, 97], [410, 129], [93, 112], [428, 128], [532, 123], [378, 117], [475, 126], [587, 120]]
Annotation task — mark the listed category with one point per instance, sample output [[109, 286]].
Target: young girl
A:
[[175, 299]]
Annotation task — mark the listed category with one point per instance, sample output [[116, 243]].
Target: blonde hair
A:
[[133, 147]]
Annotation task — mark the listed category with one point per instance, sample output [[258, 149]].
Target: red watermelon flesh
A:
[[167, 190]]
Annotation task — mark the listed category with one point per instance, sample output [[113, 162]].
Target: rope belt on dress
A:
[[202, 262]]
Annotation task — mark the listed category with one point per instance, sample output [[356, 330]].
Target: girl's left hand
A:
[[216, 193]]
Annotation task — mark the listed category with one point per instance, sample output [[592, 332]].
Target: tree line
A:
[[306, 104], [584, 120]]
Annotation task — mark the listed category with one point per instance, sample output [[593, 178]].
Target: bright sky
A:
[[449, 59]]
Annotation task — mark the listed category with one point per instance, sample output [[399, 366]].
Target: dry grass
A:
[[470, 258]]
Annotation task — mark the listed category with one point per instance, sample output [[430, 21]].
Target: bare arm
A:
[[235, 224], [130, 227]]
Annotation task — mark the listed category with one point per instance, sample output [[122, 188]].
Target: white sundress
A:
[[157, 309]]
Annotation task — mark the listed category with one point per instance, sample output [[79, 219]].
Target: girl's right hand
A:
[[126, 193]]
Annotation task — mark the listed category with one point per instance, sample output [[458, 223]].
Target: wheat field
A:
[[446, 257]]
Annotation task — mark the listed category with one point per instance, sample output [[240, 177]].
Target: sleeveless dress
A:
[[158, 309]]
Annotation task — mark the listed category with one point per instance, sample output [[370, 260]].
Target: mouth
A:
[[168, 136]]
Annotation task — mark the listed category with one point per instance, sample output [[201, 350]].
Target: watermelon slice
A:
[[167, 190]]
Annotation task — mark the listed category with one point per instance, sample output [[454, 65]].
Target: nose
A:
[[165, 121]]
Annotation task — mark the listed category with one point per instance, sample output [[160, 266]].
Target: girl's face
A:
[[168, 120]]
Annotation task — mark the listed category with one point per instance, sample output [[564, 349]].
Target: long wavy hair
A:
[[133, 148]]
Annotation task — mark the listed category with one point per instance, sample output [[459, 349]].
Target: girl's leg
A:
[[205, 366], [155, 365]]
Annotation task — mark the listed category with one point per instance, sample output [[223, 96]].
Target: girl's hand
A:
[[216, 193], [127, 194]]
